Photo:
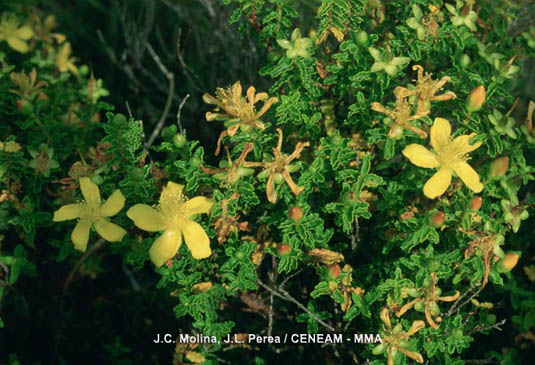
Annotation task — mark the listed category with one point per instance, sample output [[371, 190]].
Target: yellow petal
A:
[[469, 176], [146, 218], [90, 191], [111, 232], [113, 205], [420, 156], [165, 247], [196, 239], [17, 44], [463, 143], [198, 205], [80, 234], [66, 212], [171, 192], [24, 32], [440, 134], [438, 184]]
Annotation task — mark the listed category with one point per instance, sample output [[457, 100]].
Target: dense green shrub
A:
[[382, 183]]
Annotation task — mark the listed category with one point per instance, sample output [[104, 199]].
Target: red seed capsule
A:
[[438, 219], [295, 214], [475, 99], [476, 203], [334, 271], [283, 248]]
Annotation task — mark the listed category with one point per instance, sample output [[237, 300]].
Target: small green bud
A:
[[380, 349], [433, 265], [179, 140], [435, 309], [195, 161], [292, 168], [464, 60], [419, 307], [278, 178], [413, 292], [362, 38], [427, 282], [491, 318], [263, 174], [96, 179]]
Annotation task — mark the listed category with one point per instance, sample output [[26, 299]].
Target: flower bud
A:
[[438, 219], [295, 214], [24, 106], [362, 38], [283, 249], [499, 167], [464, 60], [179, 140], [334, 271], [508, 263], [475, 99], [476, 203]]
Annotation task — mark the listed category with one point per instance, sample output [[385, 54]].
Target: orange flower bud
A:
[[476, 203], [475, 99], [334, 271], [509, 262], [499, 167], [283, 248], [438, 219], [295, 214]]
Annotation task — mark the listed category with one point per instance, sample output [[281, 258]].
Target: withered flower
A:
[[486, 246], [279, 168], [324, 256], [426, 299], [400, 116], [395, 340], [230, 172], [425, 90], [236, 111]]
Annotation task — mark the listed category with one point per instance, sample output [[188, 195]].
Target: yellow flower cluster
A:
[[173, 216]]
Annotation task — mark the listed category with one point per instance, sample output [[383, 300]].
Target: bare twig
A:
[[456, 306], [484, 327], [178, 114], [80, 262], [283, 294], [171, 78]]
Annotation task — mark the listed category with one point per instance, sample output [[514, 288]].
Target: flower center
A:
[[173, 209], [449, 154]]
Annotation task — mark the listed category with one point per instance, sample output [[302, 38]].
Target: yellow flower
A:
[[93, 213], [64, 61], [450, 155], [173, 217], [15, 36]]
